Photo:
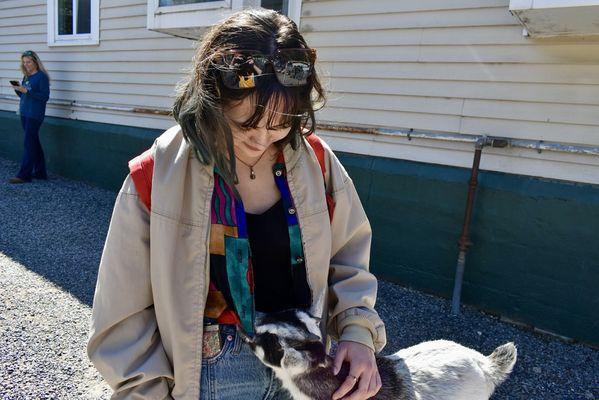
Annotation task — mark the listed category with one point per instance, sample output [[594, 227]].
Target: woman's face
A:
[[251, 143], [29, 65]]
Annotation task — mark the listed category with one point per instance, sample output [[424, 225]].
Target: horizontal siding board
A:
[[10, 4], [463, 17], [134, 10], [359, 7], [36, 19], [131, 33], [76, 78], [549, 54], [116, 99], [121, 3], [107, 66], [532, 92], [538, 112], [419, 36], [125, 88], [431, 122], [540, 73], [156, 44], [23, 11], [396, 103], [125, 22], [138, 56], [23, 30], [33, 38]]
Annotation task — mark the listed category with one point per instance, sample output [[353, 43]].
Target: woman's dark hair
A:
[[202, 96]]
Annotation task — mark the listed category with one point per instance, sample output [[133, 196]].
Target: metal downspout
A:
[[464, 241]]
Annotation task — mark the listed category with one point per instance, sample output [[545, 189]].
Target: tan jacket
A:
[[146, 328]]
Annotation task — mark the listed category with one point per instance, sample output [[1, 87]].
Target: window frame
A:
[[203, 15], [75, 39]]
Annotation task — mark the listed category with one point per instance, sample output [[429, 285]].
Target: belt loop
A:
[[237, 343]]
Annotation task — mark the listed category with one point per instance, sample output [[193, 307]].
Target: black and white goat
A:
[[290, 343]]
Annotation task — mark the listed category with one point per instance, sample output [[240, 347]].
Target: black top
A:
[[271, 260]]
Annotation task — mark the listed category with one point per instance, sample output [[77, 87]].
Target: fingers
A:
[[368, 387], [346, 386], [339, 358]]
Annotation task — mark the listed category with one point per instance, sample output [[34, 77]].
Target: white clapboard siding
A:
[[460, 66], [132, 67], [516, 91]]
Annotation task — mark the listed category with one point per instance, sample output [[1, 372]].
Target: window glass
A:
[[281, 6], [83, 16], [65, 17], [163, 3]]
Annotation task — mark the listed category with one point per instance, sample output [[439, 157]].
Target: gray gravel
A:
[[51, 237]]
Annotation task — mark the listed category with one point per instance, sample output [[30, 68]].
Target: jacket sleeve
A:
[[42, 91], [352, 288], [124, 341]]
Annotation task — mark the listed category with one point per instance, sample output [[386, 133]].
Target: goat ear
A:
[[273, 352]]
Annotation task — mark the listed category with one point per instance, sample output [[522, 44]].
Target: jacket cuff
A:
[[362, 318], [358, 334]]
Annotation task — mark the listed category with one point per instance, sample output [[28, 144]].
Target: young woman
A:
[[237, 223], [34, 92]]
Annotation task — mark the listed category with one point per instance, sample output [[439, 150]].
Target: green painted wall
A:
[[535, 256], [86, 151]]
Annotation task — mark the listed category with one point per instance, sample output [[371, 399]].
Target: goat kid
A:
[[290, 343]]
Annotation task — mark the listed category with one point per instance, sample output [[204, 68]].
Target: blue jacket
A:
[[33, 103]]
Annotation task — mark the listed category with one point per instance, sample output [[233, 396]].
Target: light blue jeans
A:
[[236, 373]]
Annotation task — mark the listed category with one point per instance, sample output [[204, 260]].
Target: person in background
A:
[[34, 92]]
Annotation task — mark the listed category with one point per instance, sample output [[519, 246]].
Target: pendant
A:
[[252, 173]]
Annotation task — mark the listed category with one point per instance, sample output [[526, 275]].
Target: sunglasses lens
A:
[[240, 69], [293, 66]]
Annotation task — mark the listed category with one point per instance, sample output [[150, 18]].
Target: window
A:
[[163, 3], [191, 18], [73, 22], [281, 6]]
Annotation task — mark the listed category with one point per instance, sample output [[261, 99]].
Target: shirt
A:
[[269, 241], [33, 103]]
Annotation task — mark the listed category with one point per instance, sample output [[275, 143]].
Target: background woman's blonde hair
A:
[[33, 55]]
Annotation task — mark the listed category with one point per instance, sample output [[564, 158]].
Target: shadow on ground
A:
[[55, 228]]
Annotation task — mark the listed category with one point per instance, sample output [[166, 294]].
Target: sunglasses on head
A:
[[27, 53], [240, 69]]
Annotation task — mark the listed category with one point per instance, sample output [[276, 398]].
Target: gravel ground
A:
[[51, 237]]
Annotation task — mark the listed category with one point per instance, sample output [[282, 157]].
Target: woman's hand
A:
[[20, 88], [362, 371]]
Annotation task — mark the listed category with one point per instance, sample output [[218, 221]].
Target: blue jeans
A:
[[33, 164], [236, 373]]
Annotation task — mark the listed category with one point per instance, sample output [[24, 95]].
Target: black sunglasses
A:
[[240, 69]]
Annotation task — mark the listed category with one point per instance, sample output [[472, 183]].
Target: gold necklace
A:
[[251, 167]]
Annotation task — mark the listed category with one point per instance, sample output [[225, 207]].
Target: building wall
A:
[[458, 66], [131, 67]]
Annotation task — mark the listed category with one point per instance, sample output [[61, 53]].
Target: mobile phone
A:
[[15, 83]]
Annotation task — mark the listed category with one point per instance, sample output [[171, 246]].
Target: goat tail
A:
[[502, 361]]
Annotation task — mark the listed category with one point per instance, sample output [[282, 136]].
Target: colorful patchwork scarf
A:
[[231, 293]]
